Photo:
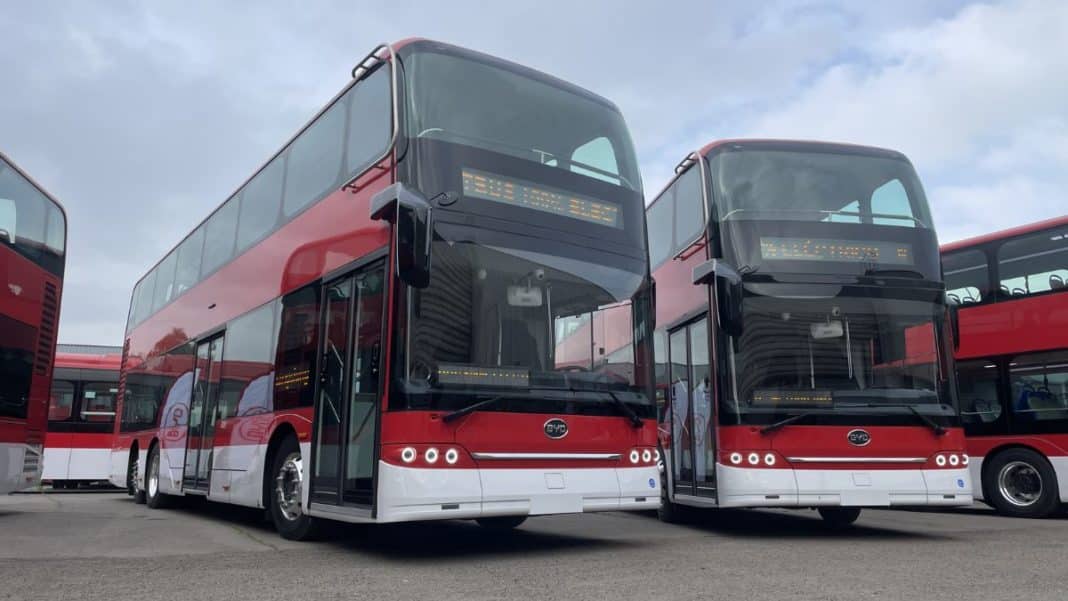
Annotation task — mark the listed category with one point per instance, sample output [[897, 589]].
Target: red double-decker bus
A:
[[803, 342], [81, 415], [33, 239], [386, 322], [1012, 364]]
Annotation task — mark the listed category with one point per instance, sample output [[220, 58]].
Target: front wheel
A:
[[287, 494], [1021, 483], [132, 469], [153, 497], [501, 523], [839, 517]]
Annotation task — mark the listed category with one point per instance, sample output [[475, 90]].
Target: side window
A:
[[689, 217], [370, 121], [248, 363], [219, 237], [57, 230], [314, 164], [1039, 387], [145, 293], [661, 367], [187, 272], [1034, 264], [131, 318], [98, 402], [298, 346], [62, 402], [658, 222], [260, 203], [164, 282], [890, 205], [598, 154], [967, 276], [979, 400]]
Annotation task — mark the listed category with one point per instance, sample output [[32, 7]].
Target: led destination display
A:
[[479, 184], [828, 249]]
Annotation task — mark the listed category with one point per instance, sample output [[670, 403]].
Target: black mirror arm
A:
[[385, 201], [707, 272]]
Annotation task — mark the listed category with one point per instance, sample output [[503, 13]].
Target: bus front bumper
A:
[[764, 487], [410, 494]]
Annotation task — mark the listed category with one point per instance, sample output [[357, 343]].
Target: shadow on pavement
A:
[[803, 523]]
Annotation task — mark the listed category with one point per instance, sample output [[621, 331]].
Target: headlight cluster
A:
[[763, 459], [643, 456], [426, 455], [948, 460]]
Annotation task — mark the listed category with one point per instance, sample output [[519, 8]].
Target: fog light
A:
[[769, 459], [754, 459], [940, 460], [647, 455], [634, 456], [452, 456], [408, 455], [736, 458], [431, 455], [954, 460]]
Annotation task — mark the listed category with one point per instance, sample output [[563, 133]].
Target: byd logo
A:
[[858, 438], [555, 428]]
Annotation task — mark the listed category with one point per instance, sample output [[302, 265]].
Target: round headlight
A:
[[452, 456], [634, 456], [431, 455], [407, 454], [954, 460], [656, 453], [754, 459], [964, 460], [736, 458], [769, 459], [647, 456], [940, 460]]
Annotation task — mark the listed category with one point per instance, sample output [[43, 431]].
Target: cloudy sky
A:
[[141, 119]]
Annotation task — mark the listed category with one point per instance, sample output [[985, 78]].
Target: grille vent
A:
[[46, 334]]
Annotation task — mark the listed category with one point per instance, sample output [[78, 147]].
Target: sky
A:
[[142, 117]]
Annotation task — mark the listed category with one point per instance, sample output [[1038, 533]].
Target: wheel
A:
[[839, 517], [1021, 483], [668, 512], [501, 523], [287, 494], [153, 497], [132, 470]]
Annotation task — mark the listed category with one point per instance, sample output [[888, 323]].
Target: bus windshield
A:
[[837, 352], [521, 320], [467, 100], [813, 185]]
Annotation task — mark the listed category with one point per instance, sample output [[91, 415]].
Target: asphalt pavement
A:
[[100, 545]]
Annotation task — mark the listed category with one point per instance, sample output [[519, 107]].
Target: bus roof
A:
[[1011, 232]]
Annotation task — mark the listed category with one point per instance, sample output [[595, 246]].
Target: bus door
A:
[[203, 407], [693, 443], [346, 410]]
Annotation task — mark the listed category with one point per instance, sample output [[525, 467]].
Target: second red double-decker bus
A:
[[33, 239], [802, 343], [81, 415], [404, 315], [1012, 364]]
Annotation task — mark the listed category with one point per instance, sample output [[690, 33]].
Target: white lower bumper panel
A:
[[743, 487], [407, 494]]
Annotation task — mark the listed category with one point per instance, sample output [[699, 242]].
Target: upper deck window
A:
[[967, 276], [466, 101], [1034, 264], [30, 222], [818, 186]]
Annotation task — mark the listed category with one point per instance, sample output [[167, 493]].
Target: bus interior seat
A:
[[969, 300], [1004, 290], [1056, 282], [954, 298], [1019, 292]]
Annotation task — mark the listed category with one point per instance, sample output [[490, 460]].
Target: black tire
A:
[[1021, 483], [668, 512], [839, 517], [153, 497], [290, 521], [501, 523], [131, 478]]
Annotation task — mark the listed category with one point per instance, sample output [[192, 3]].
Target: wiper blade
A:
[[785, 422], [635, 421], [927, 421], [904, 273], [455, 415]]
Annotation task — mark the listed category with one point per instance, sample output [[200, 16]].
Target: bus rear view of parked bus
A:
[[1012, 364], [803, 342]]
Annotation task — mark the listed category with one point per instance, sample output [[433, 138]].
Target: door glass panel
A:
[[211, 403], [700, 402], [329, 413], [196, 413], [363, 386], [682, 459]]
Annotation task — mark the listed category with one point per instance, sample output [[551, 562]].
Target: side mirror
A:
[[727, 284], [953, 311], [410, 213]]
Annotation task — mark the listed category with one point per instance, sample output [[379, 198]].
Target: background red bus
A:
[[33, 239], [81, 415], [813, 369], [1012, 364], [383, 324]]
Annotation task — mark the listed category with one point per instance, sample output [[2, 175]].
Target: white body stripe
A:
[[62, 463]]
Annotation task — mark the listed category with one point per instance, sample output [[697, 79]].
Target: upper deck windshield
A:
[[30, 223]]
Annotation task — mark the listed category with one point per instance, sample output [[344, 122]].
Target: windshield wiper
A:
[[455, 415], [785, 422], [927, 421], [901, 273], [635, 421]]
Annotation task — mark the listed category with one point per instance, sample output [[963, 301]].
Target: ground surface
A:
[[92, 545]]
